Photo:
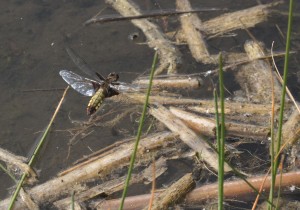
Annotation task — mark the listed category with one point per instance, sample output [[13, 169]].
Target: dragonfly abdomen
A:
[[96, 101]]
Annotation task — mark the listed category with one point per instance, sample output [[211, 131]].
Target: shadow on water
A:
[[33, 39]]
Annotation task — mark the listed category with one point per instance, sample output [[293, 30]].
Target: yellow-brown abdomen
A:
[[96, 101]]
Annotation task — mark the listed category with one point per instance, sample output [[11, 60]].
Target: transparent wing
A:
[[125, 87], [80, 84], [81, 64]]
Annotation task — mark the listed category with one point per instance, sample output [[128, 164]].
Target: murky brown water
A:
[[33, 36]]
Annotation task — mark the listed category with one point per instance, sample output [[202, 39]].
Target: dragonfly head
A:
[[113, 77]]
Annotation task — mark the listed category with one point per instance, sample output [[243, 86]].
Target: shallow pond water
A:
[[34, 35]]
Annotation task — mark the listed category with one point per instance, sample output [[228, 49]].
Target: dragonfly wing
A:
[[80, 84], [125, 87], [82, 65]]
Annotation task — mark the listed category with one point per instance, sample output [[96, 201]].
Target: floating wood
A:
[[190, 25], [112, 186], [291, 128], [205, 106], [188, 136], [171, 195], [118, 157], [237, 20], [255, 77], [207, 126], [178, 82]]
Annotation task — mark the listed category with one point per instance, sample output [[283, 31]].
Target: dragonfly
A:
[[99, 88]]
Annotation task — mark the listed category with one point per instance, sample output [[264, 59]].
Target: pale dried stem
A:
[[115, 185], [241, 19], [190, 24], [194, 141], [205, 106], [207, 126], [255, 76], [180, 82]]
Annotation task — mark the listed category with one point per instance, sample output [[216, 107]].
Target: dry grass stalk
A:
[[180, 82], [207, 126], [187, 136], [231, 108], [190, 24], [58, 186], [169, 55]]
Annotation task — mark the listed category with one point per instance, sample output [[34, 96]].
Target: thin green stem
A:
[[217, 117], [139, 133], [221, 138], [36, 151], [272, 149], [285, 73], [9, 174]]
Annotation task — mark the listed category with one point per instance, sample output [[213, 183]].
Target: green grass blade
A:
[[8, 173], [283, 93], [285, 73], [138, 136], [221, 138]]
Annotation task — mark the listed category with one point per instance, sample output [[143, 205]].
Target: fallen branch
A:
[[254, 78], [190, 24], [64, 184], [188, 136], [236, 20], [205, 106], [179, 82], [112, 186], [291, 128], [207, 126]]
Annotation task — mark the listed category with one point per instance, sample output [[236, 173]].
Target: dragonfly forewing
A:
[[80, 84]]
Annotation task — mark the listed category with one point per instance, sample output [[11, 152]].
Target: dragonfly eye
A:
[[113, 77]]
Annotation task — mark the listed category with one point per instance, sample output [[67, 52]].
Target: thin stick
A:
[[36, 151], [153, 14]]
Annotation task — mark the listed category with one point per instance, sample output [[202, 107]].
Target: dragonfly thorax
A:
[[112, 77]]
